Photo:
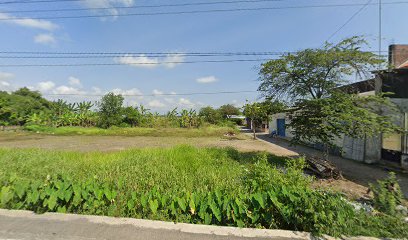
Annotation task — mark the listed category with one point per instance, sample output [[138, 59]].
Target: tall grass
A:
[[208, 131], [179, 168], [187, 184]]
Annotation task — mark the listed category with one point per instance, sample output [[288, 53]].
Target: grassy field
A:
[[179, 168], [185, 184], [207, 131]]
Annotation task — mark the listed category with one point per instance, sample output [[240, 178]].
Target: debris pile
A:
[[323, 168]]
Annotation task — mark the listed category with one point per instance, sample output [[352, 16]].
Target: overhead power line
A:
[[195, 11], [146, 53], [155, 95], [131, 63], [37, 1], [137, 55], [349, 20], [73, 55], [141, 6]]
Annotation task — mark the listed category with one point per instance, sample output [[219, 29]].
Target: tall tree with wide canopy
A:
[[321, 111], [314, 73]]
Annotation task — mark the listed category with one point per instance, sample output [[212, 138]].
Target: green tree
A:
[[110, 110], [16, 107], [227, 110], [256, 113], [324, 120], [314, 73], [210, 115], [132, 116], [322, 111]]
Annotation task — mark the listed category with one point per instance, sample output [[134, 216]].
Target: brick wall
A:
[[397, 54]]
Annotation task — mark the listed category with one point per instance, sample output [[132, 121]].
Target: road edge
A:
[[157, 225]]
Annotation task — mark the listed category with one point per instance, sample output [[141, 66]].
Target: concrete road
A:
[[25, 225]]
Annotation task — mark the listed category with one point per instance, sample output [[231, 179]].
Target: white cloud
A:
[[130, 92], [45, 86], [6, 75], [157, 92], [209, 79], [67, 90], [75, 82], [139, 61], [28, 22], [186, 103], [96, 90], [169, 100], [156, 104], [143, 61], [173, 60], [109, 6], [45, 38], [5, 85]]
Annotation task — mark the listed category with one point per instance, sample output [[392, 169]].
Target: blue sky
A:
[[244, 31]]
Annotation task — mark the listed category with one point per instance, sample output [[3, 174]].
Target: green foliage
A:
[[387, 194], [257, 113], [324, 111], [210, 115], [227, 110], [25, 107], [17, 106], [314, 73], [189, 119], [183, 184], [205, 131], [326, 119], [110, 110]]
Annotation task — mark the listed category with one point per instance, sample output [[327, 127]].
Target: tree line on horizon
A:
[[27, 107]]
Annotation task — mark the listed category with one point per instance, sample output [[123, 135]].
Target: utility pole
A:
[[379, 30]]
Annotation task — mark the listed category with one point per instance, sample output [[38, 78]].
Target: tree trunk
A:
[[253, 128]]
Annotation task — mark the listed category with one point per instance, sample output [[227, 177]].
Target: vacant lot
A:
[[205, 185], [89, 143]]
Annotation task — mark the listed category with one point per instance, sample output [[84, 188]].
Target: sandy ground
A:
[[357, 175]]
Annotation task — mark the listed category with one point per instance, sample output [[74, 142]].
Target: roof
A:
[[359, 87], [404, 65]]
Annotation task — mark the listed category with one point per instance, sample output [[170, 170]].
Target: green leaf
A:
[[108, 193], [240, 223], [52, 201], [144, 201], [131, 204], [182, 204], [261, 199], [154, 206], [215, 210], [77, 200], [208, 218], [62, 209], [35, 196], [67, 195], [20, 189], [6, 195]]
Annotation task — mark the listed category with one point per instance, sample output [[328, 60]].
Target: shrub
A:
[[387, 194]]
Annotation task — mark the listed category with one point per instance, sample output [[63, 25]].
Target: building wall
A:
[[398, 54]]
